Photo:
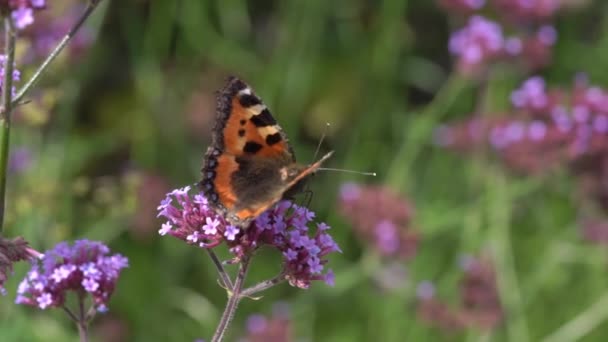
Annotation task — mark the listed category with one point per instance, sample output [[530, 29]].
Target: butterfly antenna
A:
[[373, 174], [321, 140]]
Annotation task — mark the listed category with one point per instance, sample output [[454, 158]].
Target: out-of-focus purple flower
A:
[[474, 45], [86, 267], [284, 227], [479, 302], [462, 6], [548, 128], [51, 26], [526, 10], [22, 11], [276, 328], [12, 251], [425, 290], [20, 160], [532, 94], [380, 217]]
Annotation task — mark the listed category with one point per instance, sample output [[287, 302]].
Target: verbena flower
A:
[[12, 251], [479, 305], [50, 27], [547, 128], [22, 11], [462, 6], [527, 10], [482, 41], [20, 160], [477, 43], [286, 227], [380, 217], [276, 328], [85, 268]]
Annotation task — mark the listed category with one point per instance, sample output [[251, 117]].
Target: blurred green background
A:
[[116, 124]]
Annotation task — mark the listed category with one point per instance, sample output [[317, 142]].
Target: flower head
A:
[[12, 251], [20, 160], [84, 267], [380, 217], [22, 11], [284, 227], [276, 328]]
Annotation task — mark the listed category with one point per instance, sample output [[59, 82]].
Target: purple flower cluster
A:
[[284, 227], [12, 251], [479, 301], [22, 11], [50, 27], [380, 217], [85, 268], [192, 219], [549, 127], [516, 11], [482, 41], [478, 42], [527, 10], [462, 6], [276, 328], [20, 160]]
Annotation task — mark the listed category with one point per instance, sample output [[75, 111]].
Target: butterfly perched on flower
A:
[[250, 164]]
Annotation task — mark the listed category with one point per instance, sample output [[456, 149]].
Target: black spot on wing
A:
[[272, 139], [263, 119], [247, 100], [241, 132], [252, 147], [243, 122]]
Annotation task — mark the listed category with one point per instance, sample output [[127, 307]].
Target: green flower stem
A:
[[234, 297], [83, 324], [62, 44], [225, 279], [5, 116], [265, 285]]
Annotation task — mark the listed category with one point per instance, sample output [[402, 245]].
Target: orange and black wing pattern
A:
[[248, 147]]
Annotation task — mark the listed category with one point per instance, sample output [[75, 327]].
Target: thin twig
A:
[[224, 277], [70, 314], [82, 320], [5, 115], [265, 285], [60, 46], [234, 298]]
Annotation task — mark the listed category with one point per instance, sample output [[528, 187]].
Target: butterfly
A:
[[250, 165]]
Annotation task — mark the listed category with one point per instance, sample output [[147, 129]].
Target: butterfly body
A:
[[250, 164]]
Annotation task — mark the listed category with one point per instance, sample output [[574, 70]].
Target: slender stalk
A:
[[60, 46], [225, 279], [265, 285], [70, 314], [83, 332], [5, 116], [234, 298], [83, 324]]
